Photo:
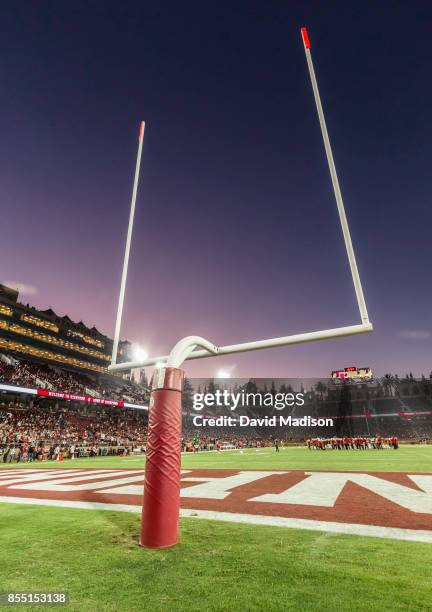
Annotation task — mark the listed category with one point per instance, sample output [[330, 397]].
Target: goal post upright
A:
[[127, 247], [161, 500], [335, 182]]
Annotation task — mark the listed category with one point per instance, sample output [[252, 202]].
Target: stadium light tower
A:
[[161, 503]]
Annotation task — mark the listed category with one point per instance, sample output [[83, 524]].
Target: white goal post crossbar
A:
[[195, 347]]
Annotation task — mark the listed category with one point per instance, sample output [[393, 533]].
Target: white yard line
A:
[[392, 533]]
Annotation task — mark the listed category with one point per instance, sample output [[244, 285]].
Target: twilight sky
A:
[[236, 235]]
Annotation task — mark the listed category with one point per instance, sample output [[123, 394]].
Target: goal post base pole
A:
[[161, 501]]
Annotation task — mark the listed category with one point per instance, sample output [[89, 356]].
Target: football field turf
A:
[[414, 458], [217, 566]]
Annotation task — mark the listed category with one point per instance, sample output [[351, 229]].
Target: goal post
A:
[[161, 501]]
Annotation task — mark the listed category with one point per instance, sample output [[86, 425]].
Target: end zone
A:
[[386, 505]]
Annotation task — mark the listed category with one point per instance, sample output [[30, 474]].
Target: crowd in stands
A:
[[34, 375], [30, 433], [38, 428], [49, 433]]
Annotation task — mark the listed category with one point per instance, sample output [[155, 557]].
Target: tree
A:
[[187, 395], [320, 388], [143, 381]]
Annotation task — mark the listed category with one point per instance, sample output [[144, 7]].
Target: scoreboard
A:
[[353, 374]]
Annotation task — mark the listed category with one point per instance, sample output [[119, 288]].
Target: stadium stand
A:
[[45, 336], [30, 374], [27, 433], [54, 356]]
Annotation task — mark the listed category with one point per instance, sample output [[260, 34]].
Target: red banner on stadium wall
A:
[[69, 396], [79, 398]]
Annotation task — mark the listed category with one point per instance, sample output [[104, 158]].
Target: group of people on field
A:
[[349, 443]]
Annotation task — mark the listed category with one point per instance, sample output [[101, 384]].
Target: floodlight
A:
[[138, 353]]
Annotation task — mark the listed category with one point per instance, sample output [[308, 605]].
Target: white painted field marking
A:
[[132, 489], [324, 488], [36, 475], [58, 484], [61, 503], [220, 488], [14, 470], [11, 472], [422, 481], [393, 533], [316, 490]]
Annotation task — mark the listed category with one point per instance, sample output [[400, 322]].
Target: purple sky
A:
[[236, 236]]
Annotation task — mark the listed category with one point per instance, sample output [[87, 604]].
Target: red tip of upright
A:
[[305, 37], [141, 132]]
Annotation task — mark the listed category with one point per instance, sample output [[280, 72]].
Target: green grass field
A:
[[406, 458], [217, 566]]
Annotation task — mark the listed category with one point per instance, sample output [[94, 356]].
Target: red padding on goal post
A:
[[161, 502]]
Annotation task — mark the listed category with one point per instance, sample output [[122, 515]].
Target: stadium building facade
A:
[[44, 336]]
